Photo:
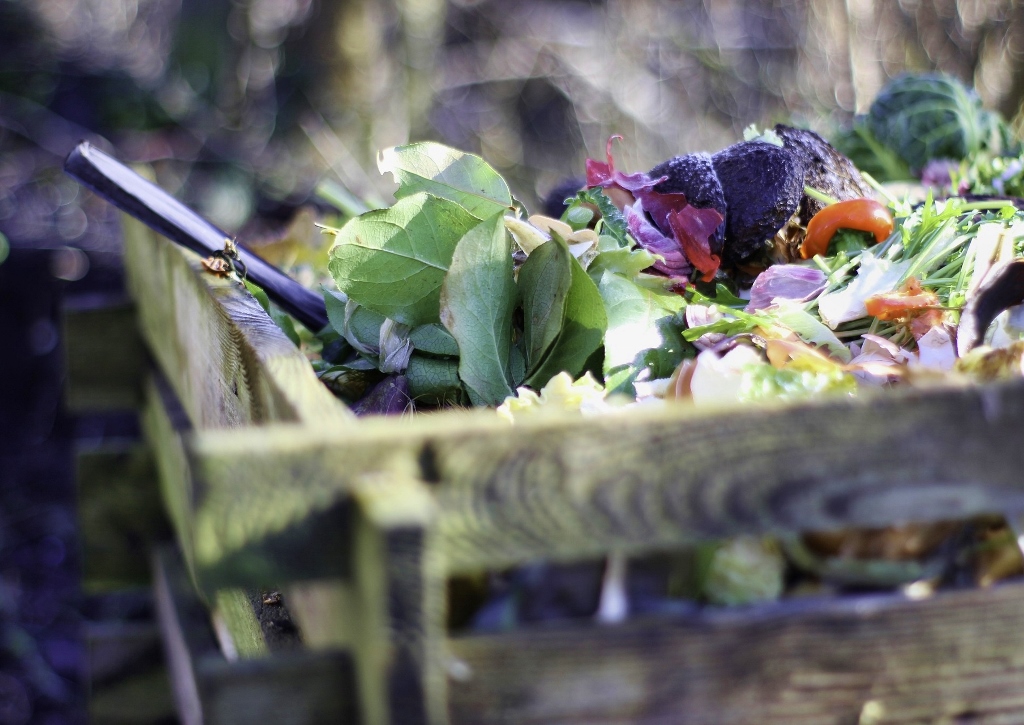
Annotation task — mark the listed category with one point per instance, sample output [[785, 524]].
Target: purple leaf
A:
[[388, 397], [650, 238], [788, 281]]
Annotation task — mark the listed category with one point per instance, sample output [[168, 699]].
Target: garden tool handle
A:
[[154, 207]]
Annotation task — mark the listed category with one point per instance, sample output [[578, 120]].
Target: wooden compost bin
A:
[[271, 482]]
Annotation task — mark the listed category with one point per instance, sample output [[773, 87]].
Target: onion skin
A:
[[862, 215]]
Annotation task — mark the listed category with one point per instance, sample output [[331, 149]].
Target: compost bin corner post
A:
[[398, 640]]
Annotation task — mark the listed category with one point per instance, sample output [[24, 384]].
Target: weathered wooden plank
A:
[[120, 514], [165, 426], [290, 688], [315, 546], [570, 487], [957, 657], [105, 357], [227, 361], [399, 605]]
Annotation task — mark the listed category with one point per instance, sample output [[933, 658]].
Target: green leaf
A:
[[612, 221], [517, 364], [462, 178], [582, 329], [433, 381], [633, 313], [433, 339], [544, 281], [359, 326], [477, 300], [849, 241], [620, 260], [658, 362], [393, 261]]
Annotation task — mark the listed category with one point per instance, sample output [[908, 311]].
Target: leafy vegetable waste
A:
[[641, 293], [459, 292]]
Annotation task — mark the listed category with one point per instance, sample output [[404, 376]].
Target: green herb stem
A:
[[992, 205], [820, 196], [873, 183]]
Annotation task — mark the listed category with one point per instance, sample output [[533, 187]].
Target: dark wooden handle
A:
[[153, 206]]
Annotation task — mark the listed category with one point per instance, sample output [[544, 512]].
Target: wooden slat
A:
[[573, 487], [227, 361], [958, 657], [165, 427], [105, 358], [399, 606], [292, 688], [317, 545], [120, 514]]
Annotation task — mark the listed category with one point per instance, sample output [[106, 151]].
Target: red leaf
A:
[[660, 206], [692, 228], [605, 175]]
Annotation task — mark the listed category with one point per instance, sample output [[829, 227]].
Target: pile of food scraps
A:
[[772, 269]]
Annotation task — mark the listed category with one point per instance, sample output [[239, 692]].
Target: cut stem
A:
[[820, 196]]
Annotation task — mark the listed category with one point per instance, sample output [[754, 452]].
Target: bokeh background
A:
[[245, 108]]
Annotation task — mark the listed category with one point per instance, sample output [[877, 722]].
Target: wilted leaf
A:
[[359, 326], [393, 261], [388, 397], [477, 300], [463, 178], [395, 347]]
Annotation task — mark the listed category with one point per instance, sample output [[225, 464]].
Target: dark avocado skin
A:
[[763, 185], [827, 169], [694, 175]]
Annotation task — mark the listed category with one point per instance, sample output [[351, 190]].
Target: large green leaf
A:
[[582, 330], [477, 300], [544, 281], [393, 261], [433, 339], [633, 314], [463, 178]]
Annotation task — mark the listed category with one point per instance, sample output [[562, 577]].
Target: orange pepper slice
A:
[[909, 301], [863, 215]]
